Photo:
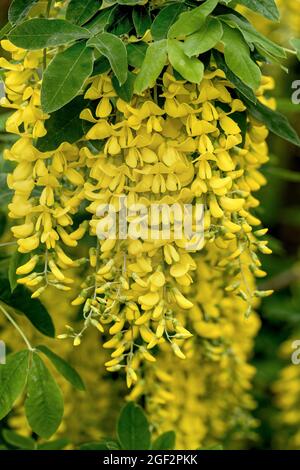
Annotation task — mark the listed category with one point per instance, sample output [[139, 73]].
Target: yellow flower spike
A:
[[177, 351], [28, 267], [117, 327], [56, 271]]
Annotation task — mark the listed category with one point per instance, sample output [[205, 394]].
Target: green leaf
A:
[[205, 39], [136, 54], [282, 173], [80, 11], [296, 44], [252, 36], [125, 91], [16, 260], [190, 21], [101, 65], [57, 444], [39, 33], [141, 20], [103, 19], [18, 10], [5, 30], [237, 57], [67, 371], [275, 122], [165, 441], [33, 309], [114, 49], [44, 404], [164, 20], [242, 88], [154, 62], [133, 428], [16, 440], [189, 68], [122, 23], [63, 125], [267, 8], [13, 377], [65, 76]]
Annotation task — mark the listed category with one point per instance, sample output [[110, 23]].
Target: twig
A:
[[21, 332]]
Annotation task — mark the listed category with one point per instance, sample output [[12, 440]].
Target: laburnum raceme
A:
[[182, 146], [48, 187], [178, 143]]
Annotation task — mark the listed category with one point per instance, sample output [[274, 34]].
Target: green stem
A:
[[290, 51], [21, 332]]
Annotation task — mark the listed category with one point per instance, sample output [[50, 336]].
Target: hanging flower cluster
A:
[[48, 187], [179, 143]]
